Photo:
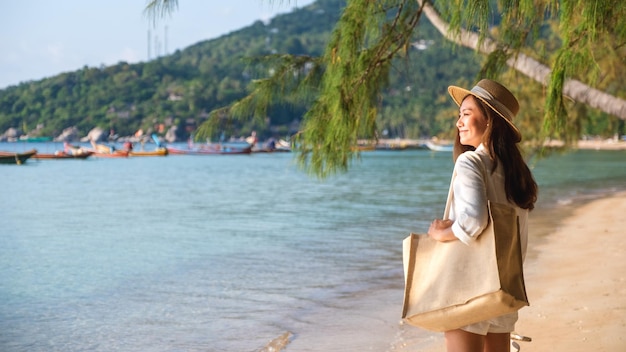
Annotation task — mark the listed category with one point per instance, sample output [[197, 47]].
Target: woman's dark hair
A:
[[499, 137]]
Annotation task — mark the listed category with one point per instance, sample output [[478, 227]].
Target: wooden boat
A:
[[112, 154], [283, 146], [161, 151], [439, 147], [64, 155], [103, 151], [16, 158], [272, 146], [212, 149]]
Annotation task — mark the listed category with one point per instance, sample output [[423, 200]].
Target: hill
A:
[[175, 93]]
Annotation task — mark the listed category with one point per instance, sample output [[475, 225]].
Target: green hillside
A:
[[180, 89]]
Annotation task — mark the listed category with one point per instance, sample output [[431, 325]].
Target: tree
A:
[[576, 53], [342, 87]]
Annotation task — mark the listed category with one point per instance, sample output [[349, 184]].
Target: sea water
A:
[[219, 252]]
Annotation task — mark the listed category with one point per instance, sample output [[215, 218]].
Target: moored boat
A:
[[63, 155], [212, 149], [439, 147], [15, 157], [112, 154], [161, 151], [104, 151], [272, 146], [69, 152]]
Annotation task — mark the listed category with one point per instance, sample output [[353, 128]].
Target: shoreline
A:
[[586, 144], [575, 278]]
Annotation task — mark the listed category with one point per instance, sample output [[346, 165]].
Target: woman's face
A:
[[472, 123]]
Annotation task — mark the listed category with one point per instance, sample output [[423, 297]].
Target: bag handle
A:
[[476, 157], [446, 213]]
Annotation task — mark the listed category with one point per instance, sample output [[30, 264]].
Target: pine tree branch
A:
[[574, 89]]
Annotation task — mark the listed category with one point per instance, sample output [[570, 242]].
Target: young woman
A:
[[485, 127]]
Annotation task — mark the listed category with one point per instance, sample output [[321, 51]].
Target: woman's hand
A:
[[441, 230]]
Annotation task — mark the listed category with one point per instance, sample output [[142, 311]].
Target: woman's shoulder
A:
[[471, 157], [473, 162]]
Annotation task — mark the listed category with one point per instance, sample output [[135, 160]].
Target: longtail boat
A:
[[15, 157], [63, 155]]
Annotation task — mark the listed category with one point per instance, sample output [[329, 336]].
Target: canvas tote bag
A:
[[450, 284]]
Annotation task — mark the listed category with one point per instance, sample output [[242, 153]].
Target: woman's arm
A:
[[469, 203], [470, 198]]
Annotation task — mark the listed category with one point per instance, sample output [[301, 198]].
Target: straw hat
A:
[[492, 93]]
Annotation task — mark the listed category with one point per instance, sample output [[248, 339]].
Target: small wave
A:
[[565, 201], [586, 195]]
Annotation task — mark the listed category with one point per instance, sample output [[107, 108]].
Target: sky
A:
[[43, 38]]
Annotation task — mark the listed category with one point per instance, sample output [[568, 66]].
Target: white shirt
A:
[[468, 208]]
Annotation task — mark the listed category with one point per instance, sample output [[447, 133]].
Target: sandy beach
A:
[[576, 281]]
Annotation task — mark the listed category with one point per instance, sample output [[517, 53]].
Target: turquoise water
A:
[[217, 253]]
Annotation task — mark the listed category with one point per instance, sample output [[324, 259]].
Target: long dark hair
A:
[[499, 139]]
